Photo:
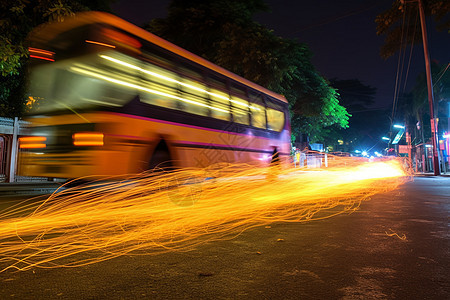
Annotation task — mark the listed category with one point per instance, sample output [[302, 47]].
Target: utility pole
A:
[[408, 142], [430, 90]]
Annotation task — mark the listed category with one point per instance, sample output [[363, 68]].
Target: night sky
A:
[[341, 35]]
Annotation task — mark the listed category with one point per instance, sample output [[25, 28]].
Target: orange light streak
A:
[[29, 142], [41, 51], [88, 139], [178, 211], [100, 44]]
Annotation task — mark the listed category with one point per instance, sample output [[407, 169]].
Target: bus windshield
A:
[[80, 83]]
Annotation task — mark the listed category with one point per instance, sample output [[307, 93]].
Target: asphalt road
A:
[[396, 246]]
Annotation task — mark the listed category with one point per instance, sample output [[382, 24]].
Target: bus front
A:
[[71, 87]]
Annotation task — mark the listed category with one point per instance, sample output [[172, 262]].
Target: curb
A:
[[11, 189]]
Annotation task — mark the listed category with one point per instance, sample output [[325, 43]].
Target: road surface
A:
[[396, 246]]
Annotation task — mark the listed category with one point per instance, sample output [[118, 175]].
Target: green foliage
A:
[[12, 90], [402, 19], [17, 19], [224, 32]]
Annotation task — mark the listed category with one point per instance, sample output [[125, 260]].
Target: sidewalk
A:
[[27, 188], [447, 174]]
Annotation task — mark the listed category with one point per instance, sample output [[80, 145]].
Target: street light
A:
[[385, 138], [399, 126]]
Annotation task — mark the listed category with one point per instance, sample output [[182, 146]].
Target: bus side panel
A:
[[129, 142]]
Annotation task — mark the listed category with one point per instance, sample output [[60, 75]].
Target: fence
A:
[[10, 130]]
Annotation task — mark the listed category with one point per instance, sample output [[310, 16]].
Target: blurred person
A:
[[275, 165]]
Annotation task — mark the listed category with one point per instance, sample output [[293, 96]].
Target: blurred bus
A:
[[110, 98]]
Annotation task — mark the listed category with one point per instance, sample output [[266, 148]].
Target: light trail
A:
[[150, 214]]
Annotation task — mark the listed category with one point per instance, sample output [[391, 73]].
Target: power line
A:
[[397, 80], [443, 72], [410, 53]]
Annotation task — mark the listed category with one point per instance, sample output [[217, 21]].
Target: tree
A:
[[402, 20], [367, 124], [17, 19], [354, 95], [224, 32]]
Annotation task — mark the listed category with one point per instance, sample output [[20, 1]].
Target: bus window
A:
[[258, 115], [111, 94], [193, 87], [240, 106], [80, 86], [194, 97], [160, 87], [256, 98], [189, 70], [158, 95], [155, 56], [217, 82], [275, 119], [220, 104], [240, 110], [119, 63], [41, 85], [238, 90]]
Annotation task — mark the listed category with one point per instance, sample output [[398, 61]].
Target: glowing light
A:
[[41, 54], [151, 91], [42, 57], [118, 61], [373, 171], [446, 135], [41, 51], [399, 126], [31, 101], [364, 153], [385, 138], [32, 142], [180, 210], [88, 139], [392, 233], [398, 136], [100, 44]]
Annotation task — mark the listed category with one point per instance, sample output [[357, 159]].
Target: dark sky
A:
[[340, 33]]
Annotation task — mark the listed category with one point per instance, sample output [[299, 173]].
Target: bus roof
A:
[[48, 32]]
